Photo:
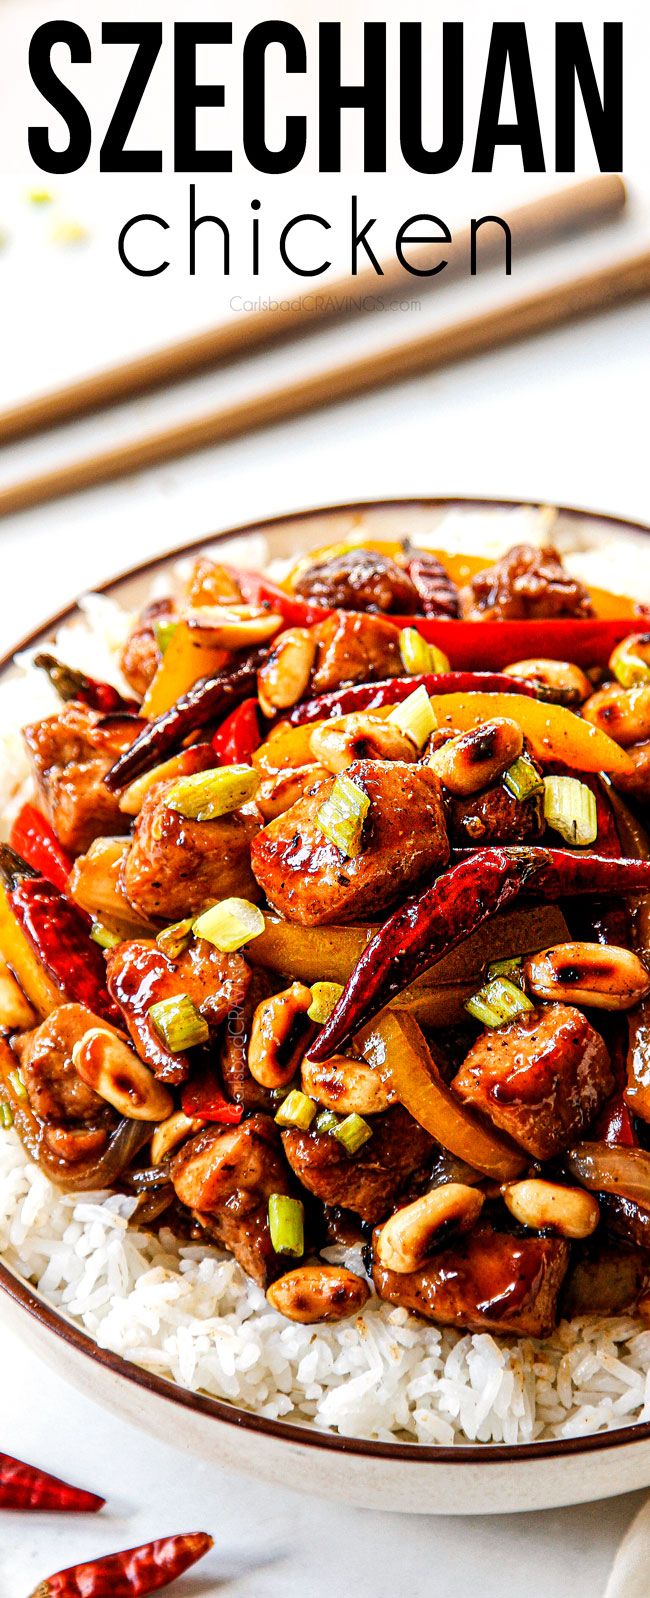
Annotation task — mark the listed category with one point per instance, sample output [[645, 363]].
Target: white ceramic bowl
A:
[[411, 1477]]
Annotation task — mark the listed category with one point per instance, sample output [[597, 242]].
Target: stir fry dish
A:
[[335, 930]]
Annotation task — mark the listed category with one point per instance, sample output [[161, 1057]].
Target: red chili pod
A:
[[615, 1126], [24, 1487], [58, 933], [236, 740], [130, 1574], [35, 841], [72, 684], [393, 690], [207, 701]]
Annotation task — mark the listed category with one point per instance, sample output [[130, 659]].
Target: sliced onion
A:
[[603, 1169]]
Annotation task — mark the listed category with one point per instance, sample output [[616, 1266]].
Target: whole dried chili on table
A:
[[208, 700], [372, 695], [72, 684], [428, 925], [34, 840], [130, 1574], [58, 933], [25, 1487]]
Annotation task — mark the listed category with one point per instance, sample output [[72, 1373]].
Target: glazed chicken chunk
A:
[[225, 1177], [526, 584], [140, 974], [488, 1282], [542, 1078], [352, 647], [141, 655], [308, 879], [370, 1183], [54, 1089], [71, 754], [361, 579], [176, 868]]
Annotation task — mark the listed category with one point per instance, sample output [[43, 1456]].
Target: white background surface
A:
[[562, 419]]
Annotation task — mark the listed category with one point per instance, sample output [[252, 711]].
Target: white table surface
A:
[[564, 420]]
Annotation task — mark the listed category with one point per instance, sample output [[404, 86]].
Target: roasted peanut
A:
[[474, 759], [560, 680], [351, 1086], [623, 713], [410, 1236], [599, 975], [107, 1064], [360, 736], [630, 661], [186, 764], [170, 1133], [231, 626], [284, 677], [637, 781], [16, 1013], [271, 1059], [277, 794], [315, 1293], [547, 1206]]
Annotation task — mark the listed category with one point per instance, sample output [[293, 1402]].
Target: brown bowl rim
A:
[[219, 1409]]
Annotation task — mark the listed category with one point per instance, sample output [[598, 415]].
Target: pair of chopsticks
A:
[[572, 210]]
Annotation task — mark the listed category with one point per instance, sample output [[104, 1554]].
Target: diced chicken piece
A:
[[606, 1280], [370, 1183], [488, 1282], [225, 1177], [238, 1082], [176, 867], [526, 584], [494, 816], [360, 580], [309, 880], [437, 592], [71, 754], [139, 975], [142, 655], [54, 1089], [542, 1078], [353, 647]]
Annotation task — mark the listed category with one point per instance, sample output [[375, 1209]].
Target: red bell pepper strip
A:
[[25, 1487], [236, 740], [72, 684], [58, 932], [488, 645], [392, 690], [207, 701], [202, 1099], [33, 838], [428, 925], [130, 1574], [295, 612]]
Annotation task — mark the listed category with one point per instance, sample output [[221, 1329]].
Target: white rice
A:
[[191, 1314]]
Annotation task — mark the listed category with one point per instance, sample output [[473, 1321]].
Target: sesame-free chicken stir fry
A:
[[338, 932]]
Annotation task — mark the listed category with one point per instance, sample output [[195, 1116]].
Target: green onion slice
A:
[[513, 969], [415, 717], [179, 1023], [287, 1225], [570, 809], [16, 1082], [418, 656], [296, 1110], [497, 1002], [176, 939], [6, 1116], [324, 996], [230, 924], [522, 779], [341, 817], [102, 936], [163, 633], [326, 1121], [353, 1132], [209, 794]]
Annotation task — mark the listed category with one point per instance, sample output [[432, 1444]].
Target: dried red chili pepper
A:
[[34, 840], [203, 1099], [58, 932], [392, 690], [208, 700], [25, 1487], [131, 1573], [72, 684], [426, 927], [239, 735]]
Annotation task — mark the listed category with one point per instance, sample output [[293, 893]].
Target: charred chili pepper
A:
[[392, 690], [25, 1487], [426, 927], [203, 1099], [236, 740], [208, 700], [58, 933], [72, 684], [34, 840], [130, 1574]]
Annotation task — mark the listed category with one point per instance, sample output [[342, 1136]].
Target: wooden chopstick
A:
[[616, 284], [549, 217]]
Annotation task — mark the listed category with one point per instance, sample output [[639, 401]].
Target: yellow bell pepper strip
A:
[[554, 732], [395, 1045], [185, 660]]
